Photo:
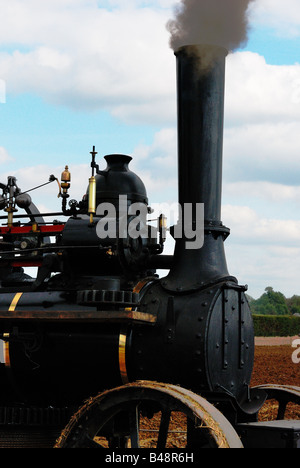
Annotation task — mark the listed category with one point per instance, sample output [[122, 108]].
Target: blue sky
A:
[[80, 73], [277, 48]]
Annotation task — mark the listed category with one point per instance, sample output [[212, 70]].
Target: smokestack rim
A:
[[199, 49]]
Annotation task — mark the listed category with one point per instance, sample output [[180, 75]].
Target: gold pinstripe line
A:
[[122, 356], [15, 301]]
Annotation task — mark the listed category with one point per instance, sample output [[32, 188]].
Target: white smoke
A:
[[222, 23]]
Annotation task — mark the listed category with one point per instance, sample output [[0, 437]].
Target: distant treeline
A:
[[276, 325], [274, 303]]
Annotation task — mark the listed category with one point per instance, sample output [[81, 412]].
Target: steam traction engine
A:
[[97, 318]]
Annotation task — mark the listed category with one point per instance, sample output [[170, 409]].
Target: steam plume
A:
[[216, 22]]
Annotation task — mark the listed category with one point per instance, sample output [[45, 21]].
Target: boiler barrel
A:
[[63, 364]]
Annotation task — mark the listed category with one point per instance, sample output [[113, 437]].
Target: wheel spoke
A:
[[134, 422], [87, 442], [281, 410], [118, 443], [163, 429]]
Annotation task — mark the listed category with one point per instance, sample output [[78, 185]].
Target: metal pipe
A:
[[92, 198], [200, 88]]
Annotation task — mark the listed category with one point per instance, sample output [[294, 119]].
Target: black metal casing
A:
[[104, 318]]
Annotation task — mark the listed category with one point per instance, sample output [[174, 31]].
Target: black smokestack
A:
[[223, 23], [221, 26], [200, 89], [200, 102]]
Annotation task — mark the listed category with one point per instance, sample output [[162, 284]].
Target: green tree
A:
[[294, 305], [270, 303]]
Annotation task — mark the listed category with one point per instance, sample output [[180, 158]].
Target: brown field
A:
[[274, 365]]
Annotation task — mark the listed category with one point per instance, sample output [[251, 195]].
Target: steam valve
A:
[[162, 226], [11, 191], [65, 182], [92, 188]]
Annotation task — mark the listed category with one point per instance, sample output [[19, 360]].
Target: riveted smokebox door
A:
[[234, 308], [230, 342]]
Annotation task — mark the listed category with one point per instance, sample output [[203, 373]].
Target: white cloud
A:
[[262, 251], [82, 55], [138, 3], [268, 191], [2, 92], [87, 57], [4, 156], [162, 151], [262, 124], [263, 152], [157, 166], [275, 201], [283, 16], [257, 92], [262, 266], [250, 228]]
